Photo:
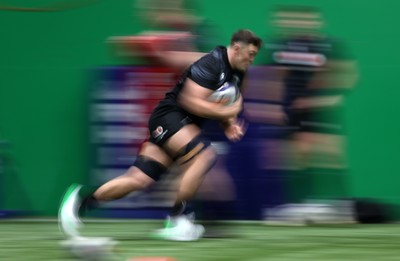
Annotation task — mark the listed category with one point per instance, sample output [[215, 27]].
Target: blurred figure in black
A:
[[316, 73]]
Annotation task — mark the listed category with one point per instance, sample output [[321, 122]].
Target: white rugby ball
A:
[[227, 94]]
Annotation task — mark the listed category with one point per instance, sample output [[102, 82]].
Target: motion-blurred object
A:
[[148, 44], [91, 248], [311, 74]]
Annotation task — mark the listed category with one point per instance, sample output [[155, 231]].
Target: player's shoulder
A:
[[212, 61], [219, 52], [214, 56]]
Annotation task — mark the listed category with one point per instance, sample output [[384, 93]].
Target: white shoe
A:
[[180, 228], [68, 218]]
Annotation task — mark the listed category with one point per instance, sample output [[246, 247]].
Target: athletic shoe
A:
[[180, 228], [68, 218]]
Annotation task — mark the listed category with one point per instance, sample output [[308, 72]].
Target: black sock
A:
[[89, 202], [180, 207], [188, 209]]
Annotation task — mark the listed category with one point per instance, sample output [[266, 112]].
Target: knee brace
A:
[[193, 148], [150, 167]]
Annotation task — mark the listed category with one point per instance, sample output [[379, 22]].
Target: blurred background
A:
[[74, 97]]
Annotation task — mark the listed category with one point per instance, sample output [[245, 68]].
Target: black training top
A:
[[211, 71], [304, 57]]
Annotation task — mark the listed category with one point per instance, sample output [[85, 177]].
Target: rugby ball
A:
[[227, 94]]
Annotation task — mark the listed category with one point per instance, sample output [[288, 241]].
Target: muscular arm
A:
[[195, 99]]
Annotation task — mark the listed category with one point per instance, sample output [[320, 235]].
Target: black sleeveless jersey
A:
[[211, 71]]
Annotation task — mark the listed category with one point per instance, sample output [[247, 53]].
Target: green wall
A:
[[44, 57]]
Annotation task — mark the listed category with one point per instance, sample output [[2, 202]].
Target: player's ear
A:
[[236, 47]]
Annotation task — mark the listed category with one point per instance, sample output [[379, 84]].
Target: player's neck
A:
[[230, 54]]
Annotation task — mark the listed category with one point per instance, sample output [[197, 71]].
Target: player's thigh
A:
[[156, 153], [181, 138]]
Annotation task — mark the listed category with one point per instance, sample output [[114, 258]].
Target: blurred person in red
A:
[[175, 137], [316, 73], [174, 34]]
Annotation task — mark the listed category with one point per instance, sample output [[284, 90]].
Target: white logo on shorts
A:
[[159, 133]]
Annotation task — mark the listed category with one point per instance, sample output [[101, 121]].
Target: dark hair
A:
[[246, 36]]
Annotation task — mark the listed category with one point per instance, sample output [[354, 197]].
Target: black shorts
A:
[[163, 126]]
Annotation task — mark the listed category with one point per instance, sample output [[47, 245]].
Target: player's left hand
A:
[[235, 131]]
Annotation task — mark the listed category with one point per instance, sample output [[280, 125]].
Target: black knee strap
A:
[[150, 167], [193, 148]]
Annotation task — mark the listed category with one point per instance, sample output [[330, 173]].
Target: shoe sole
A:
[[65, 199], [164, 235]]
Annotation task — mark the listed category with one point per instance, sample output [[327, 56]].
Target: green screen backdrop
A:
[[45, 55]]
